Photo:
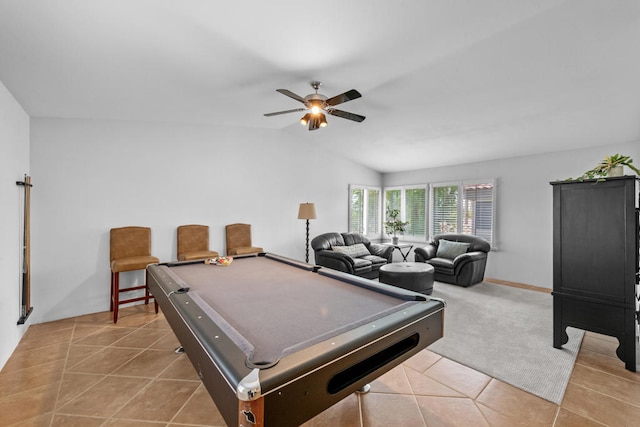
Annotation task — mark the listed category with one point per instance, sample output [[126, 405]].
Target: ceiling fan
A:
[[318, 104]]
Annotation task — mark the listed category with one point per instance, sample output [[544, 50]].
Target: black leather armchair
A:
[[464, 269], [351, 253]]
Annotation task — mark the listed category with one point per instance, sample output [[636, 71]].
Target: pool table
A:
[[277, 341]]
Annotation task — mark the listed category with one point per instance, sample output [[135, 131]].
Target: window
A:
[[393, 199], [444, 215], [466, 207], [416, 212], [364, 210], [477, 205], [356, 210], [463, 207], [411, 202]]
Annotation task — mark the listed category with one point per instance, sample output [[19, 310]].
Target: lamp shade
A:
[[307, 211]]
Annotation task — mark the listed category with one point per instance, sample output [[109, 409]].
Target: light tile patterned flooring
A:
[[86, 371]]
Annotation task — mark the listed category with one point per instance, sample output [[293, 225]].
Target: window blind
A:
[[415, 211], [356, 213], [478, 210], [364, 210], [373, 212], [444, 217]]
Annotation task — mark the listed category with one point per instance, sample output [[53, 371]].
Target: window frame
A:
[[403, 209], [366, 194], [492, 234]]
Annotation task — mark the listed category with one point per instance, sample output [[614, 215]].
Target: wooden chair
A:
[[193, 242], [239, 240], [130, 249]]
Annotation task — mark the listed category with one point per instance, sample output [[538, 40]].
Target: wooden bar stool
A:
[[193, 243], [239, 240], [130, 250]]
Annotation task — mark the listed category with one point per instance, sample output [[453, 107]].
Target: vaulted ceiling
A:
[[443, 81]]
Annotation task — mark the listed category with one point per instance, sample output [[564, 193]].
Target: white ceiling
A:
[[443, 81]]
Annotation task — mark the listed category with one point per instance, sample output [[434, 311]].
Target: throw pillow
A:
[[354, 251], [450, 250]]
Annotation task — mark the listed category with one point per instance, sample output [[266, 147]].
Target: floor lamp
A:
[[307, 211]]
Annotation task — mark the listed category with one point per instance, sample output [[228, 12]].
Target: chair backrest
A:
[[238, 235], [192, 238], [476, 244], [353, 238], [129, 242], [326, 241]]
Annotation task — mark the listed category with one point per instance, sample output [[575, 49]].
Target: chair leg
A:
[[111, 297], [116, 296]]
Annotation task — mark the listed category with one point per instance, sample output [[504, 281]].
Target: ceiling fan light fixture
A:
[[315, 109], [323, 121], [305, 119]]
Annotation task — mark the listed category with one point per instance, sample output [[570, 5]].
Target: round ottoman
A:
[[414, 276]]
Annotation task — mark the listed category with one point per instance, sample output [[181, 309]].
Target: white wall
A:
[[524, 204], [14, 164], [95, 175]]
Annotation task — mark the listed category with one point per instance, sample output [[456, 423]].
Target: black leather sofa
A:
[[351, 253], [459, 259]]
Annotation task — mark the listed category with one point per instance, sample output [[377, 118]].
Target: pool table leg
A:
[[251, 413]]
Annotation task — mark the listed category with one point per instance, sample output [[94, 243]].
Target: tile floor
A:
[[86, 371]]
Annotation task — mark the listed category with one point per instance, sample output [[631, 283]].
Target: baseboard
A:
[[517, 285]]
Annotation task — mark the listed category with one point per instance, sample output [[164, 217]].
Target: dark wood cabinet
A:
[[595, 260]]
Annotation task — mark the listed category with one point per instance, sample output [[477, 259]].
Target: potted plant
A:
[[610, 166], [394, 225]]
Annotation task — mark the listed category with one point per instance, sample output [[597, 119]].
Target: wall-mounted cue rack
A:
[[25, 286]]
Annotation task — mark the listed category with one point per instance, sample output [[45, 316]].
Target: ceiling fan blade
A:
[[291, 95], [345, 115], [284, 112], [343, 97]]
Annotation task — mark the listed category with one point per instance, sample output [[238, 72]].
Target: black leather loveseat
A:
[[352, 253], [459, 259]]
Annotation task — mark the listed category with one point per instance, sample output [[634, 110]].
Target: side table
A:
[[400, 247]]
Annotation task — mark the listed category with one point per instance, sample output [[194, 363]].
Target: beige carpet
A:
[[507, 333]]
